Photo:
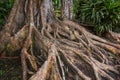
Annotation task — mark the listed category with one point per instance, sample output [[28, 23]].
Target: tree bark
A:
[[54, 49], [67, 9], [46, 8]]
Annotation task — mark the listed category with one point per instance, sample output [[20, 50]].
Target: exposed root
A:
[[69, 43], [94, 55], [62, 50], [44, 72]]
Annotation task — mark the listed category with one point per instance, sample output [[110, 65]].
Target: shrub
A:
[[103, 14]]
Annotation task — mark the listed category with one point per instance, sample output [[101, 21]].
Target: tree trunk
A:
[[67, 9], [54, 49], [46, 8]]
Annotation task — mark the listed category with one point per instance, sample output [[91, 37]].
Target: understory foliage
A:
[[57, 7], [5, 7], [104, 15]]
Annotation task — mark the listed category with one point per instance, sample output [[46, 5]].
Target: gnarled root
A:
[[79, 53]]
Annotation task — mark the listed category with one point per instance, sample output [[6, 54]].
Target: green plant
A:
[[1, 72], [103, 14], [57, 7], [5, 7], [76, 7]]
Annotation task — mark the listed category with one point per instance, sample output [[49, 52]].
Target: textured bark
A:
[[57, 50], [67, 9], [46, 8]]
